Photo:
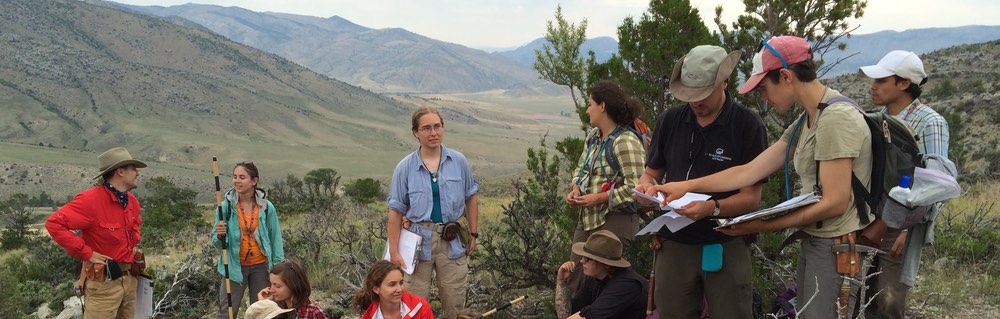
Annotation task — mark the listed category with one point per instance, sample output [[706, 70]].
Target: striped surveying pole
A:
[[222, 237]]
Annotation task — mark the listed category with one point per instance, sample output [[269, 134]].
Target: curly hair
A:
[[621, 109], [376, 274]]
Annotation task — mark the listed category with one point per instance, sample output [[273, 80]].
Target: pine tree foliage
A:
[[650, 46]]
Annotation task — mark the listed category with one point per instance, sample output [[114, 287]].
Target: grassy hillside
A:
[[76, 79], [964, 86]]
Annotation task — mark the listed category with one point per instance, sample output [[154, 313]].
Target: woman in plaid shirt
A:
[[602, 192], [290, 289]]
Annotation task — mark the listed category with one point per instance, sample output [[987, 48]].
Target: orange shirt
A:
[[250, 253]]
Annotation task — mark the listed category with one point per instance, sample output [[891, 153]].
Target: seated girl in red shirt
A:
[[383, 296]]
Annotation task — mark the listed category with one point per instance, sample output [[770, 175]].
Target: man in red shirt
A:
[[107, 217]]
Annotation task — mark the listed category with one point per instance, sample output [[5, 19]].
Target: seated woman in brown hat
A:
[[610, 288]]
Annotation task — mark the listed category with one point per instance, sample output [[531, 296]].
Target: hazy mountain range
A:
[[867, 48], [77, 79], [385, 60], [396, 60]]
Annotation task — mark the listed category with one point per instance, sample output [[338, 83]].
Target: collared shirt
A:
[[105, 225], [410, 193], [685, 150], [311, 310], [619, 295], [410, 190], [930, 127], [593, 171]]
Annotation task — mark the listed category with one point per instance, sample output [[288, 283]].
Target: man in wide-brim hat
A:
[[107, 217], [709, 133], [610, 288]]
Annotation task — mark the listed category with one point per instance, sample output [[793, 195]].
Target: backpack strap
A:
[[609, 147], [862, 197]]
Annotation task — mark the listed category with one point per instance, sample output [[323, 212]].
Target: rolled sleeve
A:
[[398, 199]]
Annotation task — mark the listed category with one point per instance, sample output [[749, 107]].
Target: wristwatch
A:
[[474, 235], [717, 211]]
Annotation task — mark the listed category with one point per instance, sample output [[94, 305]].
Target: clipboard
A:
[[409, 248], [144, 297], [777, 210]]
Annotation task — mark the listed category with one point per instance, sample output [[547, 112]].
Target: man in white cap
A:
[[896, 81], [708, 134], [107, 217]]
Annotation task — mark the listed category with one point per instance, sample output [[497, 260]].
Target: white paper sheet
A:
[[409, 246], [677, 203], [671, 219], [144, 297]]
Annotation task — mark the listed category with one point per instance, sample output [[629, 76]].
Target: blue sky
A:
[[511, 23]]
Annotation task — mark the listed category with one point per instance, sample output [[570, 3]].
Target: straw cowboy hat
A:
[[700, 71], [604, 247], [264, 309], [115, 158]]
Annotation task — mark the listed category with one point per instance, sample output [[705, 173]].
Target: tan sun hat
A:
[[115, 158], [604, 247], [264, 309], [700, 71]]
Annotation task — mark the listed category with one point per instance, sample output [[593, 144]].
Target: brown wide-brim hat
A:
[[604, 247], [699, 72], [115, 158]]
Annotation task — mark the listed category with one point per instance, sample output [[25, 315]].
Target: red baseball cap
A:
[[777, 53]]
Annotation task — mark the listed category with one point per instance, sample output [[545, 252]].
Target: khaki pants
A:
[[110, 298], [451, 275], [681, 284], [621, 224]]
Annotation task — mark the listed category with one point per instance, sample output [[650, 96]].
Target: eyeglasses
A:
[[427, 128], [774, 51], [584, 259]]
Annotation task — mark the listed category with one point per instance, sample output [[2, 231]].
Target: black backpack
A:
[[894, 154]]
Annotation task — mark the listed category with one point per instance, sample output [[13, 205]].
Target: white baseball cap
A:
[[905, 64]]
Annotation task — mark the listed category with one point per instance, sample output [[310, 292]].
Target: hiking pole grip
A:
[[222, 237], [511, 303]]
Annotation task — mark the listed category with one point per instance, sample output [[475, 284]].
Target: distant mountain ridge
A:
[[872, 47], [869, 47], [603, 48], [391, 60], [77, 79]]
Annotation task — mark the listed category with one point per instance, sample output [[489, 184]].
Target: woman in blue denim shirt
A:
[[431, 187]]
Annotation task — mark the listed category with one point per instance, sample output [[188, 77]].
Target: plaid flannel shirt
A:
[[593, 172], [930, 127], [311, 310]]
